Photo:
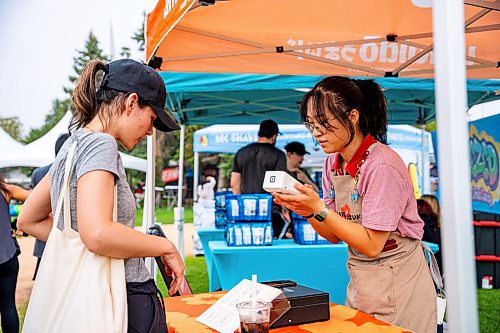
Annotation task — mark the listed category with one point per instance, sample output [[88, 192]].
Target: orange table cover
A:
[[182, 312]]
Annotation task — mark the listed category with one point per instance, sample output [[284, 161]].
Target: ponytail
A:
[[89, 101], [84, 98], [373, 113]]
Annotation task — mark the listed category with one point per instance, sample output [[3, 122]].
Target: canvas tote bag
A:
[[76, 290]]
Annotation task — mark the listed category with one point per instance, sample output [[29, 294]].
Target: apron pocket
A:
[[373, 288]]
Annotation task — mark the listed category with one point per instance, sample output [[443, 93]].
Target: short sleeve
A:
[[236, 165], [327, 182], [384, 198], [97, 151], [281, 162]]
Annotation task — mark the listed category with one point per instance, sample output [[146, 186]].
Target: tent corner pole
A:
[[454, 169], [148, 215], [179, 210], [196, 172]]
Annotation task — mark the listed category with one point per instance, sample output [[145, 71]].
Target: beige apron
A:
[[396, 286]]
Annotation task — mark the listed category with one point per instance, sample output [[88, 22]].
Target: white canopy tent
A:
[[8, 144], [41, 151]]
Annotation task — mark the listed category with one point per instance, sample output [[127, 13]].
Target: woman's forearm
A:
[[324, 231], [116, 240], [369, 242], [40, 230]]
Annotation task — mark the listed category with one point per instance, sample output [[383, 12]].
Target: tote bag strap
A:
[[434, 268], [64, 191]]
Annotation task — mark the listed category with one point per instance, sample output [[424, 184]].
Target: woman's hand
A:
[[306, 203], [175, 267]]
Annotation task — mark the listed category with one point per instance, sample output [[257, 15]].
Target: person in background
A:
[[434, 202], [295, 152], [432, 229], [36, 177], [368, 204], [9, 264], [251, 163], [124, 108], [139, 193]]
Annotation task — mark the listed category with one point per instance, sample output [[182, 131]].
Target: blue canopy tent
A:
[[214, 98], [405, 139]]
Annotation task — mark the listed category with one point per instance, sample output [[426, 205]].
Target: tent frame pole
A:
[[179, 210], [294, 50], [195, 176], [454, 170], [148, 215]]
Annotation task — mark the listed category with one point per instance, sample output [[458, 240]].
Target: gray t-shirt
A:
[[97, 151]]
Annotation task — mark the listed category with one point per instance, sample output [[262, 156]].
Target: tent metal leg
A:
[[454, 168]]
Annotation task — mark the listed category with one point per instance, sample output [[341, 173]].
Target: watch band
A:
[[308, 216], [321, 216]]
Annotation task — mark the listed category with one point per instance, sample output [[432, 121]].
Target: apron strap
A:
[[434, 268]]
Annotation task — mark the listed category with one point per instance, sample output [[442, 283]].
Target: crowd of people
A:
[[368, 200]]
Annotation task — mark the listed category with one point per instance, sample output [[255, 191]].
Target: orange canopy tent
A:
[[322, 37], [388, 38]]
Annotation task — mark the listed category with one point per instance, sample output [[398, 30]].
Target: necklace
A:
[[355, 192]]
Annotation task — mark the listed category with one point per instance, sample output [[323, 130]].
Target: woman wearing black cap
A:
[[128, 103]]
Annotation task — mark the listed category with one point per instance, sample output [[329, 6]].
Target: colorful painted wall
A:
[[484, 139]]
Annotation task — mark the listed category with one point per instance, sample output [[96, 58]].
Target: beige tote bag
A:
[[76, 290]]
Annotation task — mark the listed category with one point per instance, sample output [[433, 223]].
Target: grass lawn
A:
[[488, 303], [196, 274], [166, 215]]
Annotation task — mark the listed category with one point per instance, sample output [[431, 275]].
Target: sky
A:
[[39, 38]]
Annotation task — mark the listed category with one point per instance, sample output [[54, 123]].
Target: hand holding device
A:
[[280, 181], [184, 289]]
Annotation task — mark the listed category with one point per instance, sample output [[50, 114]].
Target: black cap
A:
[[296, 147], [268, 128], [129, 76]]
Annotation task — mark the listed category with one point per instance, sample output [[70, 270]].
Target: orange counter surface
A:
[[182, 312]]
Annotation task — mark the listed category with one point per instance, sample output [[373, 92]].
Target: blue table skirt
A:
[[207, 235], [321, 267]]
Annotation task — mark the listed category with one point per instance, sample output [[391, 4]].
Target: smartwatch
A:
[[321, 216]]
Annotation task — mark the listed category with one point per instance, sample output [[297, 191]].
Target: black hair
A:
[[89, 101], [60, 141], [339, 95]]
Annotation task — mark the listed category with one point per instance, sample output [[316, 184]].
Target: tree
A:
[[90, 51], [12, 126], [138, 36], [125, 52]]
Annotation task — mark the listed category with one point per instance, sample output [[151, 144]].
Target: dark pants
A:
[[8, 281], [146, 313]]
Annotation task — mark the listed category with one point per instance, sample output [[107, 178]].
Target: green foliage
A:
[[430, 126], [12, 126], [90, 51], [226, 164], [125, 52], [138, 36], [188, 144]]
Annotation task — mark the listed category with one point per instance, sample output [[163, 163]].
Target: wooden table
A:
[[182, 312]]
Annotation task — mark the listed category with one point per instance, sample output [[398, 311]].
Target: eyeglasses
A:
[[321, 128], [311, 127]]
